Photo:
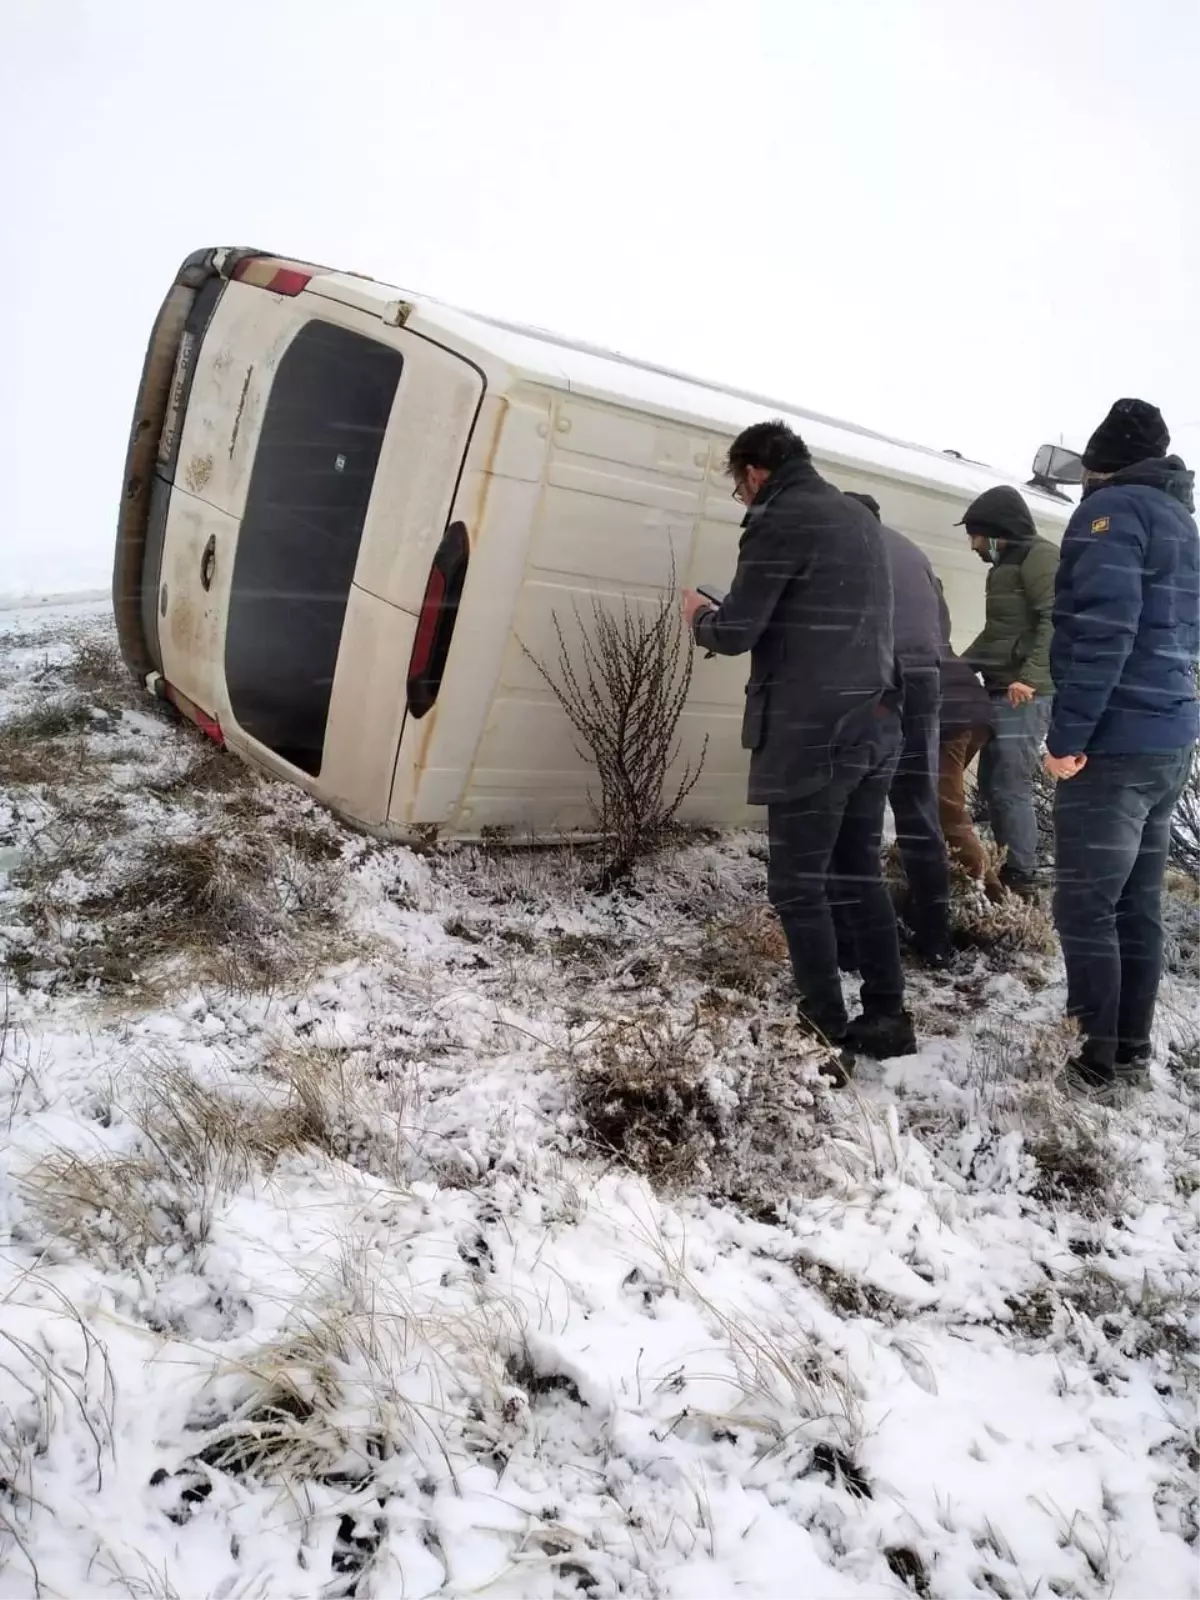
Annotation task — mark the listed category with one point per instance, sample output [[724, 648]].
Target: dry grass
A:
[[645, 1091], [245, 909], [352, 1109], [732, 1108], [1078, 1163], [44, 745], [746, 953], [117, 1207], [202, 1130]]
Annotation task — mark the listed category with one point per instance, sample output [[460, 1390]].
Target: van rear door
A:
[[321, 453]]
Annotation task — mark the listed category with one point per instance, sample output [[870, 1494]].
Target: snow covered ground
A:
[[390, 1224]]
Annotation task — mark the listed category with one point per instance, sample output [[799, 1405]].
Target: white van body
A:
[[574, 477]]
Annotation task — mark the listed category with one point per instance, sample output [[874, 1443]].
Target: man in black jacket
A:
[[917, 637], [812, 602]]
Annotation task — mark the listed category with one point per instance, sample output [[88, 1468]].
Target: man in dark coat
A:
[[812, 602], [965, 726], [1013, 654], [1126, 641], [917, 640]]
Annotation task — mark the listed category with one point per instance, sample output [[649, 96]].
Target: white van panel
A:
[[191, 622], [249, 331], [426, 441]]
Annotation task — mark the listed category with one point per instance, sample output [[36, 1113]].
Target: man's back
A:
[[916, 621], [1127, 615]]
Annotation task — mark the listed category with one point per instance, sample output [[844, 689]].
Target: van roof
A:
[[589, 370]]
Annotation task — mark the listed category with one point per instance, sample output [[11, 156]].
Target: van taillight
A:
[[266, 272], [435, 625]]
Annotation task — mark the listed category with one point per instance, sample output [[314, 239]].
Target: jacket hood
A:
[[1167, 473], [1000, 513]]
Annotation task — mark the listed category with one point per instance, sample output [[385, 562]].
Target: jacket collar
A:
[[797, 470], [1167, 473]]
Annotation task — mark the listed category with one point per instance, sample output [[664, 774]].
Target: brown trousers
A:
[[955, 756]]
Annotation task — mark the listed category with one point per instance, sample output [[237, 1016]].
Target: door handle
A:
[[208, 563]]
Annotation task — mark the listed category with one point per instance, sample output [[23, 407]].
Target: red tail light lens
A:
[[435, 625], [266, 272], [431, 608], [207, 724]]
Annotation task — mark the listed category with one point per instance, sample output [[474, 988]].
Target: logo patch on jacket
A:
[[1100, 525]]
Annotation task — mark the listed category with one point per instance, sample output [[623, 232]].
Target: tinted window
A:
[[308, 496]]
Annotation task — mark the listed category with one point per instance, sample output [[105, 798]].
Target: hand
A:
[[692, 604], [1063, 766], [1020, 694]]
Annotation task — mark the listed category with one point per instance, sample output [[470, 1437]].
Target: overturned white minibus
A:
[[346, 508]]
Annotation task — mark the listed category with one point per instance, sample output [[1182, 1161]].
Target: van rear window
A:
[[310, 486]]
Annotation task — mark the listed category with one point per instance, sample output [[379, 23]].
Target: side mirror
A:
[[1054, 464]]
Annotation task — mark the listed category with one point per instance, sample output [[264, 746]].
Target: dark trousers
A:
[[1112, 825], [914, 802], [825, 853]]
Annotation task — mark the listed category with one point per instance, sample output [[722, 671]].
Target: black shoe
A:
[[1083, 1080], [939, 955], [1091, 1075], [882, 1034], [1132, 1068], [838, 1067]]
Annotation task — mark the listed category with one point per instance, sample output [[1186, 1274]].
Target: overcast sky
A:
[[973, 225]]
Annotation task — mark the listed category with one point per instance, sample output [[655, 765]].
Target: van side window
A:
[[310, 486]]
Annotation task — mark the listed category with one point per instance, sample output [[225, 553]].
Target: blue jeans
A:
[[1007, 764], [1112, 827]]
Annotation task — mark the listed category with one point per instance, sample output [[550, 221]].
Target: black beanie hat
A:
[[867, 500], [1132, 431]]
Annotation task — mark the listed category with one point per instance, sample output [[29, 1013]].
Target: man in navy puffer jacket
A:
[[1123, 659]]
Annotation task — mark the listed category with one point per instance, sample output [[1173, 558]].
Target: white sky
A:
[[974, 225]]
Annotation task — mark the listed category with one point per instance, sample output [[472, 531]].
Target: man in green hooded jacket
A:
[[1012, 655]]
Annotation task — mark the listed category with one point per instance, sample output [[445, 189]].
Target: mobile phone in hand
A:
[[716, 596]]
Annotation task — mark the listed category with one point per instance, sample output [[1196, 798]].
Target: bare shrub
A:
[[96, 669], [623, 691], [1184, 851]]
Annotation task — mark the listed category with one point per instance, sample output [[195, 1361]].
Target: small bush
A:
[[623, 690], [1007, 925]]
